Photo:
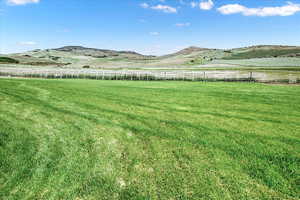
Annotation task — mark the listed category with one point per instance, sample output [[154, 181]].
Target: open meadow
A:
[[89, 139]]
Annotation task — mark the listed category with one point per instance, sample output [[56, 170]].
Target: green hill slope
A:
[[264, 52]]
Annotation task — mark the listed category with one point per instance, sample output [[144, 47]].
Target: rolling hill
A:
[[264, 51], [79, 57]]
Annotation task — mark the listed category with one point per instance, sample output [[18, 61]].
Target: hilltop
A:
[[99, 53]]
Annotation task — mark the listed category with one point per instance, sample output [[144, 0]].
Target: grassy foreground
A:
[[79, 139]]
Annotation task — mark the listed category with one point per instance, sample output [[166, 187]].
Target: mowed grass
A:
[[84, 139]]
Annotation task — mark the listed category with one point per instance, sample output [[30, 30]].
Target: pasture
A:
[[92, 139], [262, 62]]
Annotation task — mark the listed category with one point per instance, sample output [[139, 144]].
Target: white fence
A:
[[149, 75]]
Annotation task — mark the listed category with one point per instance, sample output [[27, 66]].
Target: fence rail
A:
[[148, 75]]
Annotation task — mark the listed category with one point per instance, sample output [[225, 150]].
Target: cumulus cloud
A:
[[165, 8], [286, 10], [206, 5], [27, 43], [21, 2], [183, 24]]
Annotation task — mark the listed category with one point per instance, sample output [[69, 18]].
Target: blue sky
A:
[[147, 26]]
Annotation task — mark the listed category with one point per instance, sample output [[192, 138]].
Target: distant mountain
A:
[[268, 47]]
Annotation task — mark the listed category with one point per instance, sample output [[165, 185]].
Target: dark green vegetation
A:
[[196, 61], [8, 60], [79, 139]]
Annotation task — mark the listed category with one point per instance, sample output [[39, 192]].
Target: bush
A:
[[86, 67]]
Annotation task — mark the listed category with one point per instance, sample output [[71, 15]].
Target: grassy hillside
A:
[[264, 53], [8, 60], [78, 139], [80, 57]]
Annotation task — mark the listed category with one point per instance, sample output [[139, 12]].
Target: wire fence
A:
[[150, 75]]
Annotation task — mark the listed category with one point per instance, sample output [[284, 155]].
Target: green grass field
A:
[[262, 62], [80, 139]]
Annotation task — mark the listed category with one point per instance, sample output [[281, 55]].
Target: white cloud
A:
[[206, 5], [194, 4], [183, 24], [154, 33], [286, 10], [27, 43], [21, 2], [164, 8], [144, 5]]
